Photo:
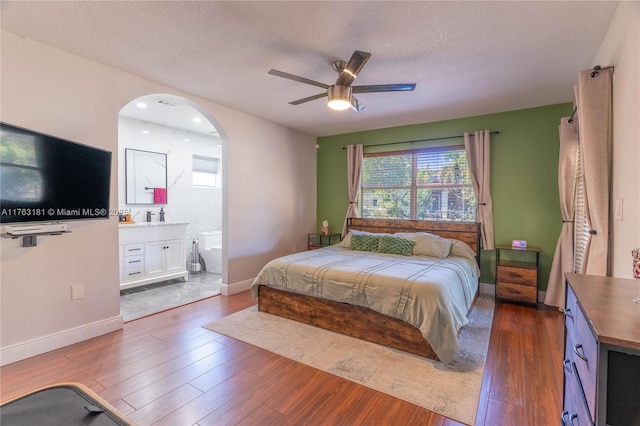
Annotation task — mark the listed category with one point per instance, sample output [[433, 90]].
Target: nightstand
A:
[[317, 241], [517, 274]]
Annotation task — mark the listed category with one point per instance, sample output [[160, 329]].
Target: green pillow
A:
[[395, 245], [364, 242]]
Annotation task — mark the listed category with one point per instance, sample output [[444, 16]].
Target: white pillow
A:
[[460, 248], [428, 244]]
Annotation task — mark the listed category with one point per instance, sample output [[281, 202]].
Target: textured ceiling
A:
[[467, 58]]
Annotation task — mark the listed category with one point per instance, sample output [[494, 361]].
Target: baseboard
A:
[[487, 289], [229, 289], [40, 345]]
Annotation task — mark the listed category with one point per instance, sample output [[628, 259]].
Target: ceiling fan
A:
[[341, 93]]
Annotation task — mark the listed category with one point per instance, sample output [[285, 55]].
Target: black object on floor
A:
[[64, 405]]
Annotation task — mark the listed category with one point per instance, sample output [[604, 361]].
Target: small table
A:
[[517, 275], [317, 240]]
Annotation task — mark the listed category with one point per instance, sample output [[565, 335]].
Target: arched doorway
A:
[[174, 131]]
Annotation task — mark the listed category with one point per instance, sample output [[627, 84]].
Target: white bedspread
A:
[[430, 293]]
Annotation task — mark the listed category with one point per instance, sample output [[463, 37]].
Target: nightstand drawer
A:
[[517, 292], [512, 274]]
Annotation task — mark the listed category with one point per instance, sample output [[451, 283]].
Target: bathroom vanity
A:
[[152, 252]]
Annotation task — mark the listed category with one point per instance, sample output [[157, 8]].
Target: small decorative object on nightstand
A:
[[517, 274], [322, 240]]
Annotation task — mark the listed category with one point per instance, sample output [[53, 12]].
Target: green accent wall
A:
[[524, 174]]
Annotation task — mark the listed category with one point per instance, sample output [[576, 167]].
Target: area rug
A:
[[452, 390]]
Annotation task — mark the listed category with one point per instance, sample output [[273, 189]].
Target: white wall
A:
[[269, 196], [621, 48], [199, 206]]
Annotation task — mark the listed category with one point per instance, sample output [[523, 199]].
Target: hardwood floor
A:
[[167, 370]]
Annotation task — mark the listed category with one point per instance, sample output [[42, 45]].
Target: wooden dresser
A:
[[602, 351]]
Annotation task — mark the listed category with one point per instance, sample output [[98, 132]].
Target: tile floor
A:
[[149, 299]]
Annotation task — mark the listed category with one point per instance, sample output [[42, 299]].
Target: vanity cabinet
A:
[[164, 257], [602, 351], [151, 253]]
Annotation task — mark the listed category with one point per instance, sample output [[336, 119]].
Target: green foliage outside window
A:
[[427, 184]]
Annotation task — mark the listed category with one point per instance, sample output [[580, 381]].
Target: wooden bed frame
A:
[[359, 322]]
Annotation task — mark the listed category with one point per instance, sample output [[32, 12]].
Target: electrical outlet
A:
[[294, 248], [77, 292]]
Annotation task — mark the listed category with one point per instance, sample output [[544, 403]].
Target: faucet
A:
[[149, 214]]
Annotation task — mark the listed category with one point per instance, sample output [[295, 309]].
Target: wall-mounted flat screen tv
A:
[[47, 179]]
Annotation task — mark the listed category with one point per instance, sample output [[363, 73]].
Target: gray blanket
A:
[[432, 294]]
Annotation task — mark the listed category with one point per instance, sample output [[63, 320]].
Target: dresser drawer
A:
[[512, 274], [570, 312], [132, 249], [582, 349], [574, 410], [585, 349]]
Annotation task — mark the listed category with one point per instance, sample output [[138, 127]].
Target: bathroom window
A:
[[205, 171]]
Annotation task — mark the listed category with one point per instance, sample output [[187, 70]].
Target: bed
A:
[[413, 300]]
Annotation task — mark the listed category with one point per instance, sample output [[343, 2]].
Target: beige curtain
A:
[[477, 147], [354, 174], [594, 129], [563, 258]]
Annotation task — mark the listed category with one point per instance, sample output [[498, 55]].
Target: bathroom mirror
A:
[[146, 177]]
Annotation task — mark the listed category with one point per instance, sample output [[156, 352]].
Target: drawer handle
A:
[[579, 350], [135, 261], [567, 365], [134, 273], [567, 419], [135, 249], [567, 313]]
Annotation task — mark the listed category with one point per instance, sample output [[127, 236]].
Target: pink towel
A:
[[159, 196]]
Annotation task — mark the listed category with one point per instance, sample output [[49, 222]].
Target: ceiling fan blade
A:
[[400, 87], [356, 105], [310, 98], [298, 78], [353, 68]]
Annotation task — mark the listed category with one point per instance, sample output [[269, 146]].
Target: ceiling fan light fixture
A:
[[339, 97]]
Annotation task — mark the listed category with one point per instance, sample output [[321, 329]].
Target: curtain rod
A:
[[593, 74], [496, 132]]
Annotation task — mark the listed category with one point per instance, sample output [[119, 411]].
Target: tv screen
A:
[[48, 179]]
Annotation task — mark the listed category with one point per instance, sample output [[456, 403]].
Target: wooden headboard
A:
[[468, 232]]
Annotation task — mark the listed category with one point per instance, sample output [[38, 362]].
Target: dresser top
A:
[[609, 307]]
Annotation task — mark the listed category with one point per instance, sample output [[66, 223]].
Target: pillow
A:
[[428, 244], [346, 241], [462, 249], [395, 245], [364, 242]]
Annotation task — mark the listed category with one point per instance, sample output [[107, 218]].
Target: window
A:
[[204, 171], [425, 184], [581, 221]]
